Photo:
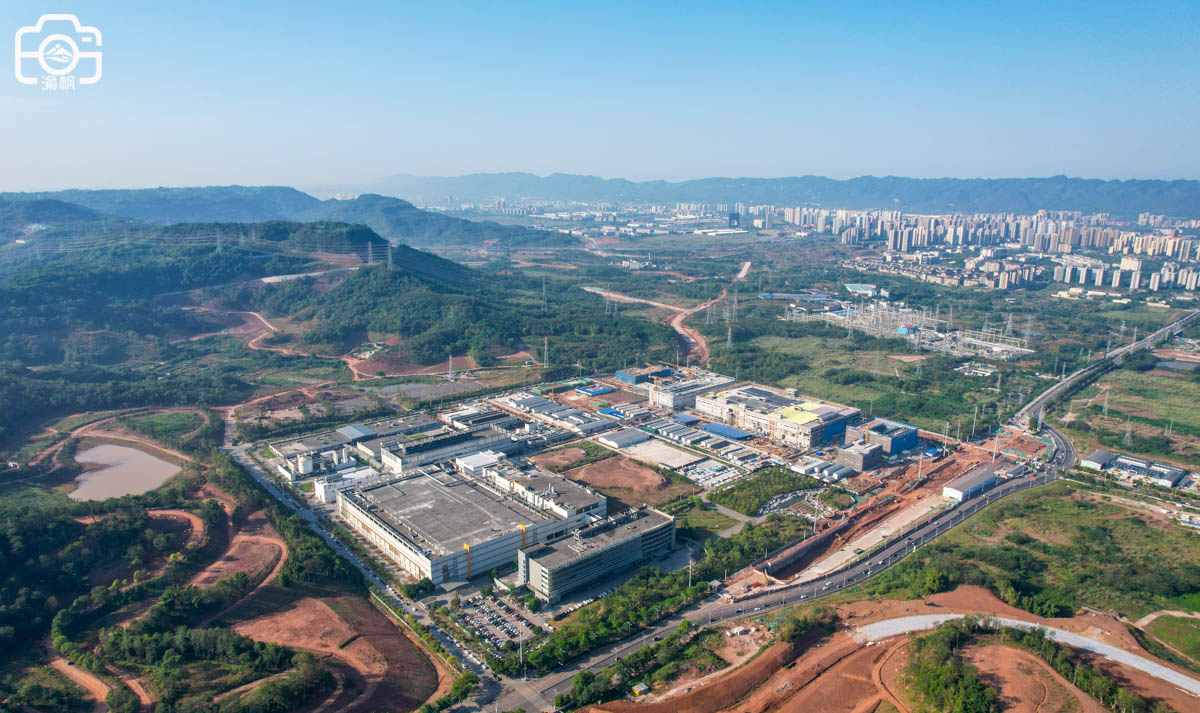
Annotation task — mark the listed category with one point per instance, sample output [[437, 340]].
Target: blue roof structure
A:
[[724, 431], [594, 390], [686, 419], [611, 412]]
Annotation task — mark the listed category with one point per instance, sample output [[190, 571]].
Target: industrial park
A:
[[449, 496]]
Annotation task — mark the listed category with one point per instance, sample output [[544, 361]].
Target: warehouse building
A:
[[893, 436], [781, 416], [330, 451], [592, 553], [478, 415], [624, 438], [971, 483], [559, 415], [1098, 460], [450, 525], [1168, 476]]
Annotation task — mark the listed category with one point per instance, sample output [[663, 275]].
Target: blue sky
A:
[[314, 93]]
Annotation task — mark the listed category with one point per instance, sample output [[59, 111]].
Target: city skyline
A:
[[303, 95]]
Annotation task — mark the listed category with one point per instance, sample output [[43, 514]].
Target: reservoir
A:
[[123, 471]]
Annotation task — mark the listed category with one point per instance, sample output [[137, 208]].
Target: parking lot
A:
[[710, 474], [495, 622]]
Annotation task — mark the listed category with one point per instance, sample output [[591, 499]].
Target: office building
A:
[[589, 554], [782, 416]]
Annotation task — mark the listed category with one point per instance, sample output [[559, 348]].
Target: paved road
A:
[[1031, 409], [241, 455], [712, 611], [903, 625]]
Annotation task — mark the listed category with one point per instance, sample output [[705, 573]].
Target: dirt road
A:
[[693, 341], [93, 685]]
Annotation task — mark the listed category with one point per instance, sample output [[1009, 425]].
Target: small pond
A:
[[122, 471]]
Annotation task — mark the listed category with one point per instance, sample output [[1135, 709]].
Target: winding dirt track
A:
[[90, 429], [678, 321], [93, 685], [885, 692]]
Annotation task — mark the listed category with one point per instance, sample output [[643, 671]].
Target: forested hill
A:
[[401, 221], [1003, 195], [392, 218], [222, 204], [112, 324], [50, 217]]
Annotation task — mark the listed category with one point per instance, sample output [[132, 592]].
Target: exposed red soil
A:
[[1026, 683], [251, 556], [840, 674], [734, 651], [564, 457], [396, 673], [845, 687], [620, 472], [718, 695], [95, 687]]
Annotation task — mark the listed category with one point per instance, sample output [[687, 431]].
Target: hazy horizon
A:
[[366, 185]]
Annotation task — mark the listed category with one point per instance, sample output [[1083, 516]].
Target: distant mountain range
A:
[[18, 216], [999, 195], [76, 211]]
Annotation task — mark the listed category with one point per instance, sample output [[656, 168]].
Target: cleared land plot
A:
[[562, 457], [396, 673], [250, 556], [629, 483], [255, 550], [620, 473], [1026, 683], [656, 452]]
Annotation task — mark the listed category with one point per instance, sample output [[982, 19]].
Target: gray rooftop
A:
[[325, 440], [1101, 457], [974, 477], [357, 432], [444, 511], [609, 531]]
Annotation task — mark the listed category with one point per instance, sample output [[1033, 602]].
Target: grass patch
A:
[[1178, 632], [696, 523], [165, 426], [1060, 550], [752, 492], [25, 682], [837, 498]]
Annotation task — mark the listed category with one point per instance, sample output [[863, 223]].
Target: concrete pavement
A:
[[903, 625]]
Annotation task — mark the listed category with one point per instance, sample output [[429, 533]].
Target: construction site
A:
[[922, 329], [889, 501]]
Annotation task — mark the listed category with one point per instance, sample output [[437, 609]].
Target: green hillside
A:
[[401, 221]]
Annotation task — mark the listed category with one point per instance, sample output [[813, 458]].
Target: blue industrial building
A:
[[720, 429], [641, 376]]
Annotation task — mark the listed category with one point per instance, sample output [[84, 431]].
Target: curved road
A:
[[712, 611], [903, 625]]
